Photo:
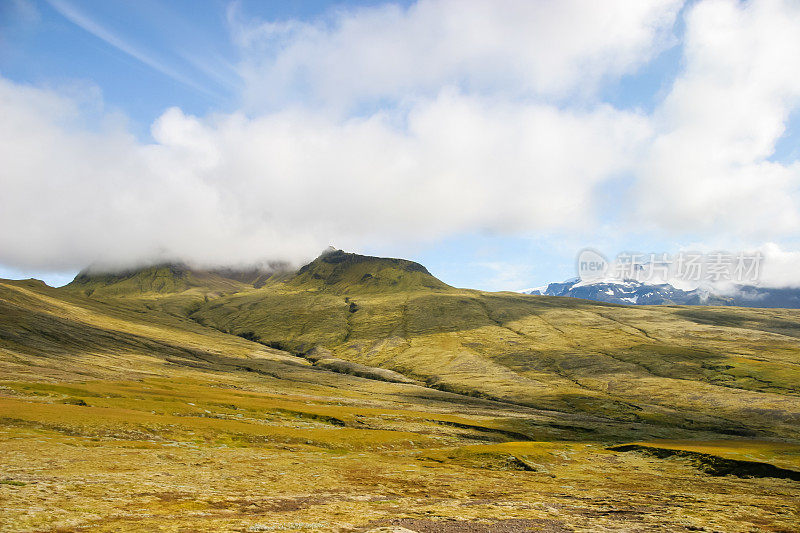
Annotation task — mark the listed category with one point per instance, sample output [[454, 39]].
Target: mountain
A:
[[551, 353], [261, 397], [172, 287], [751, 296], [355, 313], [341, 272], [333, 270], [633, 292], [169, 278]]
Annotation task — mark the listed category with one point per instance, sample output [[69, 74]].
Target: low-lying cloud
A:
[[229, 189]]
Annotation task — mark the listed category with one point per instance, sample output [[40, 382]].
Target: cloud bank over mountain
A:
[[392, 124]]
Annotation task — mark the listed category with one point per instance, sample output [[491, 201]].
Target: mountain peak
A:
[[341, 271], [158, 278], [329, 250], [170, 278]]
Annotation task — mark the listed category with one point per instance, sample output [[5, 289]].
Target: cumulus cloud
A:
[[390, 124], [508, 47], [709, 168], [779, 266], [231, 189], [776, 267]]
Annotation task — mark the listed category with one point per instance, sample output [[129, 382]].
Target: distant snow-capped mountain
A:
[[633, 292]]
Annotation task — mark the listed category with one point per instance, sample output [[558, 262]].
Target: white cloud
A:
[[776, 266], [779, 266], [709, 168], [508, 47], [230, 189], [492, 124]]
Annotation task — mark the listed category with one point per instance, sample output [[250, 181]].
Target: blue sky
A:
[[623, 170]]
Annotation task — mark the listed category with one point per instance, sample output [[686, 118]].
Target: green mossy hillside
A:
[[342, 272]]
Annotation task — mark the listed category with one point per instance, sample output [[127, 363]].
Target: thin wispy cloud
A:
[[80, 19], [215, 67]]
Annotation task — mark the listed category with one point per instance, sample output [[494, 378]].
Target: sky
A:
[[490, 141]]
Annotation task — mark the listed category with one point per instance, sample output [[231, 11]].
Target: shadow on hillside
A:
[[741, 319]]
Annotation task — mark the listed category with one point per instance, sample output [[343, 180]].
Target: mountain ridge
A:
[[632, 292], [333, 270]]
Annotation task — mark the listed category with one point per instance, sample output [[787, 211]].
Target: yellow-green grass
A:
[[187, 454], [781, 454], [651, 365], [187, 409], [668, 367], [119, 485]]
